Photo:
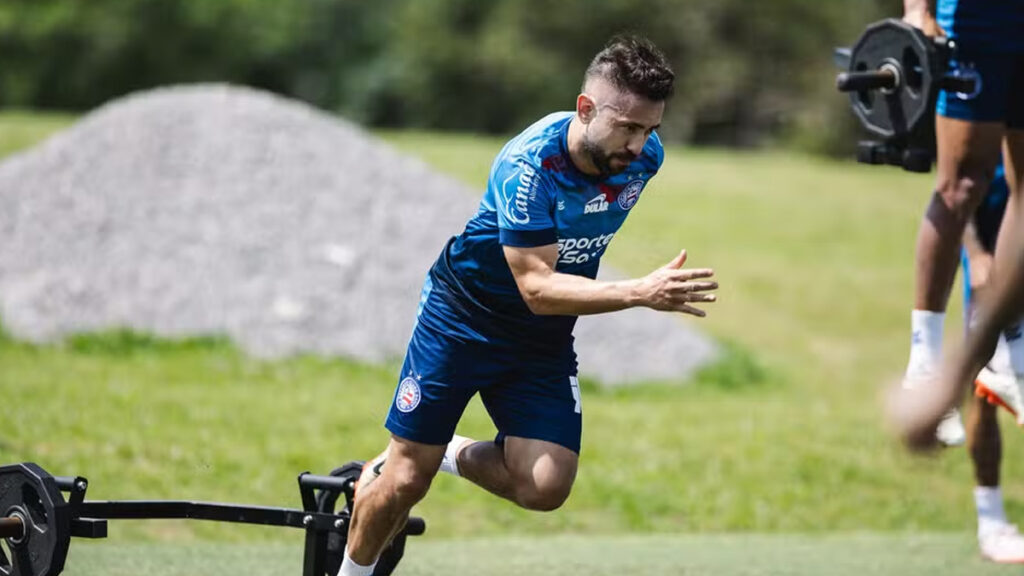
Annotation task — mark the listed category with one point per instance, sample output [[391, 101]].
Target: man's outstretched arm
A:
[[545, 291]]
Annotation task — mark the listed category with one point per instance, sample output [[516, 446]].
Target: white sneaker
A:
[[1004, 545], [951, 430], [1002, 390]]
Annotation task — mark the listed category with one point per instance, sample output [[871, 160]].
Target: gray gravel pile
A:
[[213, 209]]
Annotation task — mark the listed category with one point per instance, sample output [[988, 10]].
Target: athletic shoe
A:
[[371, 471], [1004, 545], [1002, 390], [950, 431]]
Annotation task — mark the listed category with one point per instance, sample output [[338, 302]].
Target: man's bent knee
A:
[[962, 195], [410, 468], [410, 484], [543, 497], [542, 472]]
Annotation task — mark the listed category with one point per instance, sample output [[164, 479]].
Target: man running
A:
[[499, 304]]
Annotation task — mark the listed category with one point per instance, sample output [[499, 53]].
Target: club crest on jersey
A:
[[630, 194], [596, 204], [408, 396]]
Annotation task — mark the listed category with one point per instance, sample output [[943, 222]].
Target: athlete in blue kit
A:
[[971, 131], [499, 304]]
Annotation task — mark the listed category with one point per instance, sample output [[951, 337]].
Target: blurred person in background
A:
[[970, 131], [998, 539], [499, 305]]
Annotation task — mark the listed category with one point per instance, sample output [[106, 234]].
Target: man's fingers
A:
[[692, 273], [701, 297], [686, 309], [677, 262], [698, 286], [681, 289]]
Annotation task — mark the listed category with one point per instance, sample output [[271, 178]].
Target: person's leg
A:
[[1004, 304], [998, 539], [538, 413], [382, 506], [999, 100], [984, 443], [435, 384], [1003, 380], [1012, 150], [968, 153], [1001, 307], [535, 474]]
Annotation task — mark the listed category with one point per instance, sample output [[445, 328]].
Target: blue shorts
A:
[[999, 96], [526, 395]]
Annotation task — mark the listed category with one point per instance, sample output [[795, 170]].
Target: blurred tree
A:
[[749, 73]]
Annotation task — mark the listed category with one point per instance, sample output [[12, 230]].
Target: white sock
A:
[[450, 463], [989, 501], [926, 341], [350, 568], [1014, 338]]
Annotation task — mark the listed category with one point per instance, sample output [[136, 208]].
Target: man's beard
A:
[[602, 160]]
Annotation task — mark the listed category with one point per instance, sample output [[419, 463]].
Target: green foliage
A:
[[750, 73], [128, 342], [735, 371], [19, 130]]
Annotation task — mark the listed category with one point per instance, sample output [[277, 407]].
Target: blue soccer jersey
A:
[[475, 334], [535, 197]]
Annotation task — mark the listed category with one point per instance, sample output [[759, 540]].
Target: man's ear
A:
[[586, 108]]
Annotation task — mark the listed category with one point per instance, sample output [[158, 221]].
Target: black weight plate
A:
[[897, 44], [28, 491]]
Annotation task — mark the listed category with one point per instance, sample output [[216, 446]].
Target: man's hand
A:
[[920, 14], [671, 288], [914, 416]]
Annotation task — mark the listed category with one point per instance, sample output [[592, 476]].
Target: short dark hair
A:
[[635, 64]]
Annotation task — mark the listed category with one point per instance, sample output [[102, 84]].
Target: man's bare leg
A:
[[382, 506], [967, 157], [999, 308], [984, 443], [968, 153], [535, 474]]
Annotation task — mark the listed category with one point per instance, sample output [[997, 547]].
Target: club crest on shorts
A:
[[630, 194], [408, 396]]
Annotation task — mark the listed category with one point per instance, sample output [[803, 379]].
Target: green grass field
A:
[[814, 261], [699, 555]]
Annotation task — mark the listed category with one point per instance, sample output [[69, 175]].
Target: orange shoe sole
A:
[[982, 391]]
